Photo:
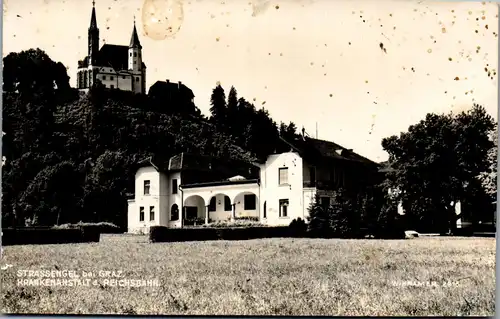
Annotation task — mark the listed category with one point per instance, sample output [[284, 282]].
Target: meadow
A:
[[416, 277]]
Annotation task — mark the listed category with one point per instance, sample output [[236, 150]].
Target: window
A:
[[174, 212], [147, 186], [135, 62], [325, 202], [151, 213], [137, 79], [211, 206], [249, 202], [312, 172], [130, 54], [124, 77], [283, 175], [265, 210], [111, 78], [141, 214], [104, 77], [283, 207], [174, 186], [135, 54], [112, 86], [227, 204]]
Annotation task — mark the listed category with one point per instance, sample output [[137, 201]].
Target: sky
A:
[[358, 71]]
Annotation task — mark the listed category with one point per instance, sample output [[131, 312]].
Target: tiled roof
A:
[[115, 56], [161, 88], [315, 148]]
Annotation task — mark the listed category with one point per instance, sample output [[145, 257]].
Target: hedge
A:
[[49, 235], [104, 227], [165, 234]]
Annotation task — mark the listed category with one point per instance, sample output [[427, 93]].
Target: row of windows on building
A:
[[124, 77], [283, 180], [151, 213], [335, 176], [249, 205], [85, 79], [147, 187]]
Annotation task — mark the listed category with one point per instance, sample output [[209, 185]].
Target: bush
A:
[[298, 227], [236, 223], [48, 235], [247, 218], [165, 234], [104, 227], [341, 219], [390, 224]]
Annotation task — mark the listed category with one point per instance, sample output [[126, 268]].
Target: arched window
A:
[[174, 212], [227, 204], [84, 79], [265, 210], [87, 82], [211, 206]]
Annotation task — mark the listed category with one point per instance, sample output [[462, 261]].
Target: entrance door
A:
[[191, 215]]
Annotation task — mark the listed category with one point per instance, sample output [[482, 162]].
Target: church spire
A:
[[93, 37], [93, 19], [134, 40]]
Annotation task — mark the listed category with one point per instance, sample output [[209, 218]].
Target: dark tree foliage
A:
[[218, 107], [72, 157], [438, 162]]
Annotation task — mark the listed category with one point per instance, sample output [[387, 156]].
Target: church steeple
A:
[[93, 20], [93, 37], [134, 40], [135, 52]]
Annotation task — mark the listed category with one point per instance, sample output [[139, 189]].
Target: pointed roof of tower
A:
[[93, 19], [134, 40]]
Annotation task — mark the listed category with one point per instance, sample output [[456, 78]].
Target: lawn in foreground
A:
[[262, 277]]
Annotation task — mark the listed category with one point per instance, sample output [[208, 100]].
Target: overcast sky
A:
[[361, 70]]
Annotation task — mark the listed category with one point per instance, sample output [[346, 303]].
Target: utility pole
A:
[[316, 129]]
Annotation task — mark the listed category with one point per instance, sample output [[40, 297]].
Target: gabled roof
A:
[[115, 56], [320, 149], [195, 162], [160, 88], [134, 39]]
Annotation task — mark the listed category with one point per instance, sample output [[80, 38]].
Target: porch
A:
[[222, 201]]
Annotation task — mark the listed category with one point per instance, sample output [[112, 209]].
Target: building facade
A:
[[115, 66], [190, 189]]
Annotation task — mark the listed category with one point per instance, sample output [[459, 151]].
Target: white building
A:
[[189, 188], [115, 66]]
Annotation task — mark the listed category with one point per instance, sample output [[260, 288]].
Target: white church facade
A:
[[186, 189], [115, 66]]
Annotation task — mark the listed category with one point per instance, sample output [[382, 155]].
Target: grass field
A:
[[262, 277]]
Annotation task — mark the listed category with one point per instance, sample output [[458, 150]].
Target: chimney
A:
[[168, 81]]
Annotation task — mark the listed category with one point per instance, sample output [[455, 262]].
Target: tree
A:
[[318, 219], [489, 178], [52, 196], [437, 161], [218, 107], [31, 71]]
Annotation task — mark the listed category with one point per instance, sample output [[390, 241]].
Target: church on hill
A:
[[115, 66]]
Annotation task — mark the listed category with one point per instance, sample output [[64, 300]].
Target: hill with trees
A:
[[71, 157]]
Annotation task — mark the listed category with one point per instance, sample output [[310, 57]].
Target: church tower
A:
[[135, 52], [135, 66], [93, 38]]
